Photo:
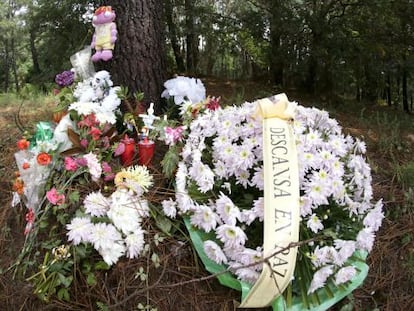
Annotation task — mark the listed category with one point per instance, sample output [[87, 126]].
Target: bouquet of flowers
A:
[[219, 190], [72, 181]]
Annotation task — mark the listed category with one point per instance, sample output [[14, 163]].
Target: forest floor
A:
[[182, 284]]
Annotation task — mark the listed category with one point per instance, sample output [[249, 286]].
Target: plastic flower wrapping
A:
[[220, 182]]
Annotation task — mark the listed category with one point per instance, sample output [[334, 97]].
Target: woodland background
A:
[[362, 49], [352, 57]]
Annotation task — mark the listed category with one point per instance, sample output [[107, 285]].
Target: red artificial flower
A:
[[18, 186], [44, 158], [30, 217], [26, 165], [95, 133], [23, 144], [213, 103], [88, 121]]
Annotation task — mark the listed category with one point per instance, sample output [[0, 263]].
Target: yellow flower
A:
[[134, 177]]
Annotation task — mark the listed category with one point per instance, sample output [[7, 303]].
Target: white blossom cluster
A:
[[222, 166], [122, 235], [113, 225], [97, 95], [184, 89]]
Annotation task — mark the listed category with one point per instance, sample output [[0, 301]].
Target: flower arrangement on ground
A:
[[219, 188], [78, 192]]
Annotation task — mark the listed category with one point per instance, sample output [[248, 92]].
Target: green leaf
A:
[[65, 280], [164, 224], [74, 197], [170, 162], [101, 306], [63, 294], [101, 265], [91, 279]]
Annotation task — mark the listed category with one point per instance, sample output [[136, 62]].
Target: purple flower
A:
[[65, 78]]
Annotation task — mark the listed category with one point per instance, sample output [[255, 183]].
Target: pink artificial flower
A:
[[84, 143], [81, 162], [173, 135], [71, 164], [54, 197], [106, 168], [30, 217], [120, 149]]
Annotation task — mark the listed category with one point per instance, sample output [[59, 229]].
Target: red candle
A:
[[128, 155], [146, 151]]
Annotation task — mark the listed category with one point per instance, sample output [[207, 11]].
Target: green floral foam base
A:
[[322, 299]]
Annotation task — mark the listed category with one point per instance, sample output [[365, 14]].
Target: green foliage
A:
[[405, 175]]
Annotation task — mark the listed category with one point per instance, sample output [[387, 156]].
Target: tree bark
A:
[[14, 66], [33, 51], [276, 57], [169, 14], [6, 66], [139, 55], [191, 38], [406, 108]]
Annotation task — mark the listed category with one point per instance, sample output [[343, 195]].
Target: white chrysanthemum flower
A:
[[346, 250], [365, 239], [79, 230], [124, 212], [314, 223], [324, 255], [374, 218], [319, 278], [335, 183], [104, 235], [135, 243], [96, 204], [226, 209], [112, 252], [169, 208], [344, 275], [84, 109], [204, 218], [231, 235], [214, 252]]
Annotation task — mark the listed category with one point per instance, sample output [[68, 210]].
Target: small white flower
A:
[[135, 243], [96, 204], [169, 207], [112, 252], [80, 229], [214, 252], [344, 275], [231, 236]]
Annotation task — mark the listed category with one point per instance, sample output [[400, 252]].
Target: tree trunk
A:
[[139, 55], [179, 60], [191, 38], [33, 51], [276, 57], [406, 108], [14, 66], [6, 66], [388, 90]]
